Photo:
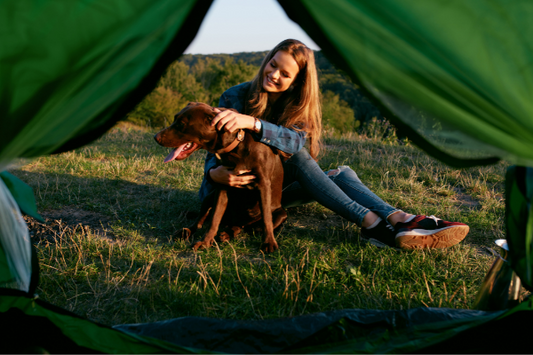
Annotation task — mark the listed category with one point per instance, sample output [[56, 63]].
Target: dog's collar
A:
[[239, 138]]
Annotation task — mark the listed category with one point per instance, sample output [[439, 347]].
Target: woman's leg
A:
[[343, 192], [295, 195], [353, 187]]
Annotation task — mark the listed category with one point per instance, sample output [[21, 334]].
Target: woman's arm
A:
[[285, 139], [214, 173]]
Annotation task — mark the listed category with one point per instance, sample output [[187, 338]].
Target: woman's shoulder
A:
[[238, 90], [234, 97]]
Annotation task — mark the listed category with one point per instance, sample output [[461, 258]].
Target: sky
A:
[[233, 26]]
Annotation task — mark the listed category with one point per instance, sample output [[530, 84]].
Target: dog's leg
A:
[[278, 217], [218, 213], [230, 233], [269, 242], [188, 232]]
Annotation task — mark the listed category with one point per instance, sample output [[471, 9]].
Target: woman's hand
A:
[[225, 176], [232, 121]]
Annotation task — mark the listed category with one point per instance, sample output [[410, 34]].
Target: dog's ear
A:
[[180, 112], [210, 114]]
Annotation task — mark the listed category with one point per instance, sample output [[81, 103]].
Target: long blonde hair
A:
[[299, 106]]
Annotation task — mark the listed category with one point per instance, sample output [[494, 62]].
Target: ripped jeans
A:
[[339, 190]]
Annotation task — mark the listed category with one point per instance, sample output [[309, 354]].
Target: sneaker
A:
[[383, 232], [429, 232]]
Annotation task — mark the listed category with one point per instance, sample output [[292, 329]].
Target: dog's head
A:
[[190, 131]]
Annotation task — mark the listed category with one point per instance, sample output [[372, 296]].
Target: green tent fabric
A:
[[420, 330], [36, 326], [22, 193], [348, 331], [519, 222], [70, 70], [455, 77]]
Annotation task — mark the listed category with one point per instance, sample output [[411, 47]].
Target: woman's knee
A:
[[343, 173]]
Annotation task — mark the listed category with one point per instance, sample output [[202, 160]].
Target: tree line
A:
[[203, 78]]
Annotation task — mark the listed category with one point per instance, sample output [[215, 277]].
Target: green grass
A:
[[112, 207]]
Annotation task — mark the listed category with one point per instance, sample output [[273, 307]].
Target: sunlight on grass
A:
[[126, 268]]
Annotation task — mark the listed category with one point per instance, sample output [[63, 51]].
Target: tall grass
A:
[[107, 251]]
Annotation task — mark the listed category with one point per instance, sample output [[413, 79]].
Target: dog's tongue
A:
[[173, 154]]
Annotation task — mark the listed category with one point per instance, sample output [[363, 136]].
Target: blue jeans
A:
[[342, 192]]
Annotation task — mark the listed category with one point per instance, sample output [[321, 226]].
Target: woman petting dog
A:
[[281, 106]]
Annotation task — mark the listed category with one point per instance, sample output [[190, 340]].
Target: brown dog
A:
[[229, 206]]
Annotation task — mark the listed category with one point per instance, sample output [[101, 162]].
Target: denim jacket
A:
[[282, 138]]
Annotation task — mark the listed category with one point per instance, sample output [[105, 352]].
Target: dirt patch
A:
[[465, 199], [57, 221], [317, 221]]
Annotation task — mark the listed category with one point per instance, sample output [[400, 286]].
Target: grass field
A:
[[106, 251]]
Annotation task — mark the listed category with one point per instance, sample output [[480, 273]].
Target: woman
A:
[[281, 107]]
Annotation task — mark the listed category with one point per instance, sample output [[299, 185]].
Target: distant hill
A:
[[250, 58]]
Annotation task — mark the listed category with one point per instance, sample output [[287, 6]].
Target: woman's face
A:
[[279, 74]]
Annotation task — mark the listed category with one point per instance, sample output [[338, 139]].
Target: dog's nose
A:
[[157, 138]]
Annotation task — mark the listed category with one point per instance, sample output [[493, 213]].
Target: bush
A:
[[216, 78], [157, 110], [204, 82], [337, 114], [380, 130]]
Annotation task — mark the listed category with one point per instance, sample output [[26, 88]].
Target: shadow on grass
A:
[[102, 203]]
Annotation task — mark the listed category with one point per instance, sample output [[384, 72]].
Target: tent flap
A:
[[23, 195], [55, 330], [65, 82], [349, 331], [519, 222], [455, 77]]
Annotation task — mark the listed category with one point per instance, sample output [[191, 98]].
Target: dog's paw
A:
[[269, 247], [201, 245], [224, 237]]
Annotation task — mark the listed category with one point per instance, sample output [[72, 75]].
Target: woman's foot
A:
[[417, 232], [429, 232], [382, 231]]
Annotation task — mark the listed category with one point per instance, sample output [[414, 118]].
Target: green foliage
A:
[[158, 108], [336, 114], [340, 84], [379, 131], [216, 78], [178, 78], [205, 82]]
